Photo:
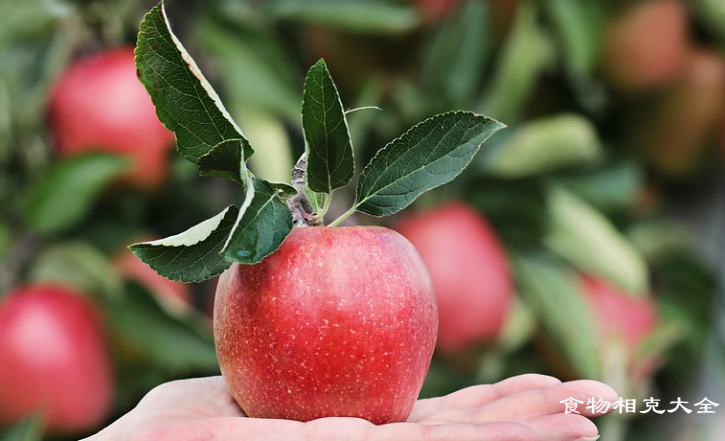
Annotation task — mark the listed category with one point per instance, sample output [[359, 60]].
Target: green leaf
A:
[[226, 160], [171, 342], [371, 16], [612, 187], [77, 264], [273, 158], [430, 154], [711, 13], [263, 223], [258, 72], [553, 294], [185, 101], [6, 240], [194, 255], [589, 241], [28, 429], [330, 162], [526, 53], [544, 145], [69, 189], [579, 26], [455, 62]]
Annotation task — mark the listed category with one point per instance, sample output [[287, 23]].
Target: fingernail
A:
[[588, 438]]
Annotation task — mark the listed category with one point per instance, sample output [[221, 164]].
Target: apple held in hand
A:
[[98, 104], [469, 270], [310, 320], [53, 359], [337, 322]]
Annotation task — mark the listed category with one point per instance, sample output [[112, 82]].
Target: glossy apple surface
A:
[[645, 44], [99, 104], [53, 358], [337, 322], [469, 270]]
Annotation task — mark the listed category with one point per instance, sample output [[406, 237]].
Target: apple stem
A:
[[344, 216], [319, 218]]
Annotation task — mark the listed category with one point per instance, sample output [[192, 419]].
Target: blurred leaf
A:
[[185, 101], [430, 154], [542, 146], [612, 187], [519, 327], [5, 121], [525, 54], [553, 294], [34, 51], [171, 342], [194, 255], [330, 162], [5, 240], [583, 236], [256, 70], [29, 429], [712, 14], [264, 221], [369, 16], [273, 157], [455, 61], [26, 19], [77, 264], [363, 123], [657, 239], [68, 190], [579, 26], [657, 343], [514, 208]]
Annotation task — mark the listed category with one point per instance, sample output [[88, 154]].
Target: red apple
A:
[[175, 295], [435, 10], [337, 322], [674, 134], [469, 270], [645, 44], [620, 317], [53, 359], [99, 104]]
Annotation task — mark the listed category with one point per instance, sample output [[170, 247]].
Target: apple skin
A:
[[620, 317], [674, 135], [470, 273], [337, 322], [54, 359], [98, 104], [645, 45]]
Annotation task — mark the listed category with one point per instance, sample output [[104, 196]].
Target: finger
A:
[[563, 427], [475, 396], [535, 403], [548, 428]]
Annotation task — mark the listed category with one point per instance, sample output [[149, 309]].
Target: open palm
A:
[[526, 407]]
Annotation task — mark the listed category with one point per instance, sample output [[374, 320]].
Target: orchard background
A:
[[585, 241]]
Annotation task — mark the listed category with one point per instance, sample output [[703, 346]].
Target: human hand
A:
[[525, 408]]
